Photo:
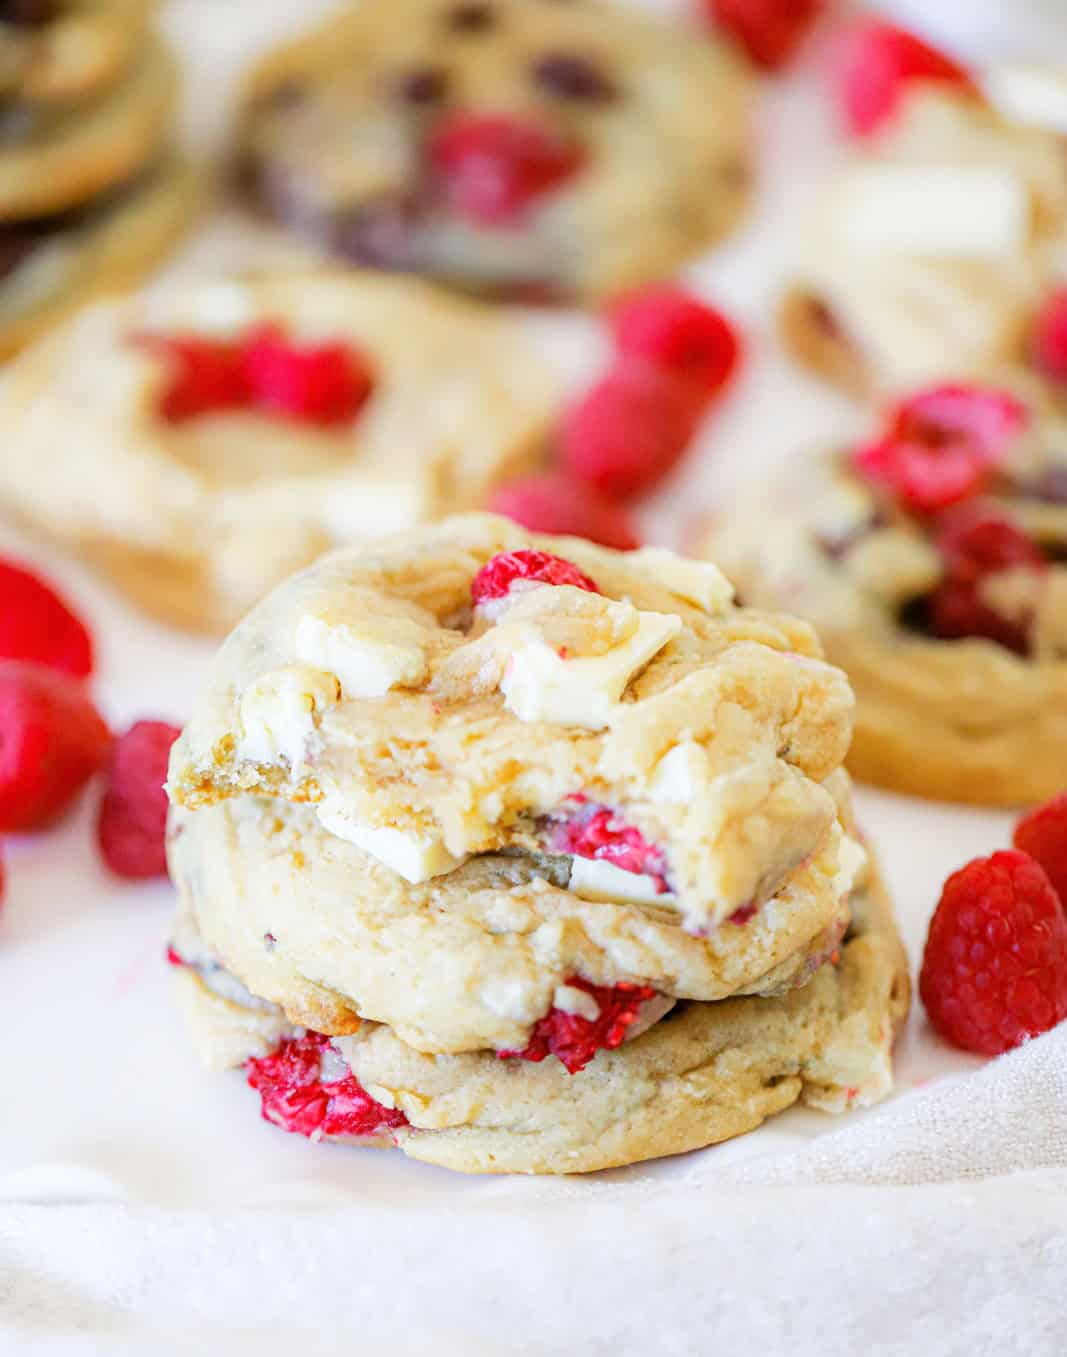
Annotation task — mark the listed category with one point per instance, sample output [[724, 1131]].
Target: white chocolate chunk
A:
[[592, 879], [539, 685], [278, 712], [569, 999], [965, 211], [380, 654], [415, 857], [1026, 93], [851, 860], [680, 774], [697, 582], [363, 509]]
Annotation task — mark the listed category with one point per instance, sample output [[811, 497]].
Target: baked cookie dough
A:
[[197, 518], [951, 623], [434, 703], [700, 1074], [54, 51], [931, 251], [626, 142], [54, 159]]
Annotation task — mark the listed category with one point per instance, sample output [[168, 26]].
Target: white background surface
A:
[[101, 1097]]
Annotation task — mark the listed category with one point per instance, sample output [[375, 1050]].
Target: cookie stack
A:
[[522, 854], [90, 194]]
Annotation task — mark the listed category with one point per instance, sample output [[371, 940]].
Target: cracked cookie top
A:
[[670, 742]]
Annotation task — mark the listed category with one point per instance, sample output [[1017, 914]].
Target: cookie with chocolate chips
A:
[[503, 146]]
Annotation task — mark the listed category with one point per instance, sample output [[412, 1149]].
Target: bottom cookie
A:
[[703, 1073], [50, 267]]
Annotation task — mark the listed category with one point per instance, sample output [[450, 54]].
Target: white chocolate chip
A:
[[278, 713], [697, 582], [964, 211], [569, 999], [415, 857], [380, 654], [680, 774], [1032, 94], [595, 880], [540, 685]]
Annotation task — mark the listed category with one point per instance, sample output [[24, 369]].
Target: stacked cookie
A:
[[90, 193], [527, 855]]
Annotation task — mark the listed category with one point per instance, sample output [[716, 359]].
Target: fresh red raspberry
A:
[[289, 1082], [942, 444], [629, 429], [597, 832], [559, 504], [770, 31], [670, 329], [205, 375], [52, 741], [994, 970], [876, 62], [132, 823], [36, 624], [496, 577], [1043, 834], [976, 542], [575, 1040], [315, 383], [495, 167], [1050, 337]]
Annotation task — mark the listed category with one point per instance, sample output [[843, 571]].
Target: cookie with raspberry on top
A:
[[931, 556]]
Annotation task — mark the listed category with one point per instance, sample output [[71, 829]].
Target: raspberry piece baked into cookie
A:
[[230, 432], [931, 559], [517, 148], [547, 847], [933, 251]]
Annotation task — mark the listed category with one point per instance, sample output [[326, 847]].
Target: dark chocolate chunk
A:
[[573, 77]]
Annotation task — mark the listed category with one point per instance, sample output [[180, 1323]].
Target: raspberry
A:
[[1050, 337], [132, 823], [575, 1040], [629, 429], [1043, 834], [975, 542], [496, 577], [557, 503], [770, 31], [289, 1082], [994, 970], [597, 832], [205, 375], [315, 384], [876, 62], [667, 327], [36, 624], [941, 445], [494, 167], [52, 741]]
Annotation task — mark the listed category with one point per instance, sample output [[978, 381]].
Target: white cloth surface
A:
[[937, 1228]]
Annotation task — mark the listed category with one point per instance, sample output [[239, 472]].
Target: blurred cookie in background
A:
[[527, 150], [54, 51], [229, 432]]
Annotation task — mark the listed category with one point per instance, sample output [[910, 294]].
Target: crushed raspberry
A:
[[743, 915], [132, 823], [205, 375], [36, 624], [1043, 834], [174, 957], [494, 167], [52, 741], [575, 1040], [770, 31], [975, 543], [498, 575], [876, 62], [596, 832], [942, 445], [994, 970], [670, 329], [1050, 337], [295, 1098], [560, 504], [314, 383], [630, 428]]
